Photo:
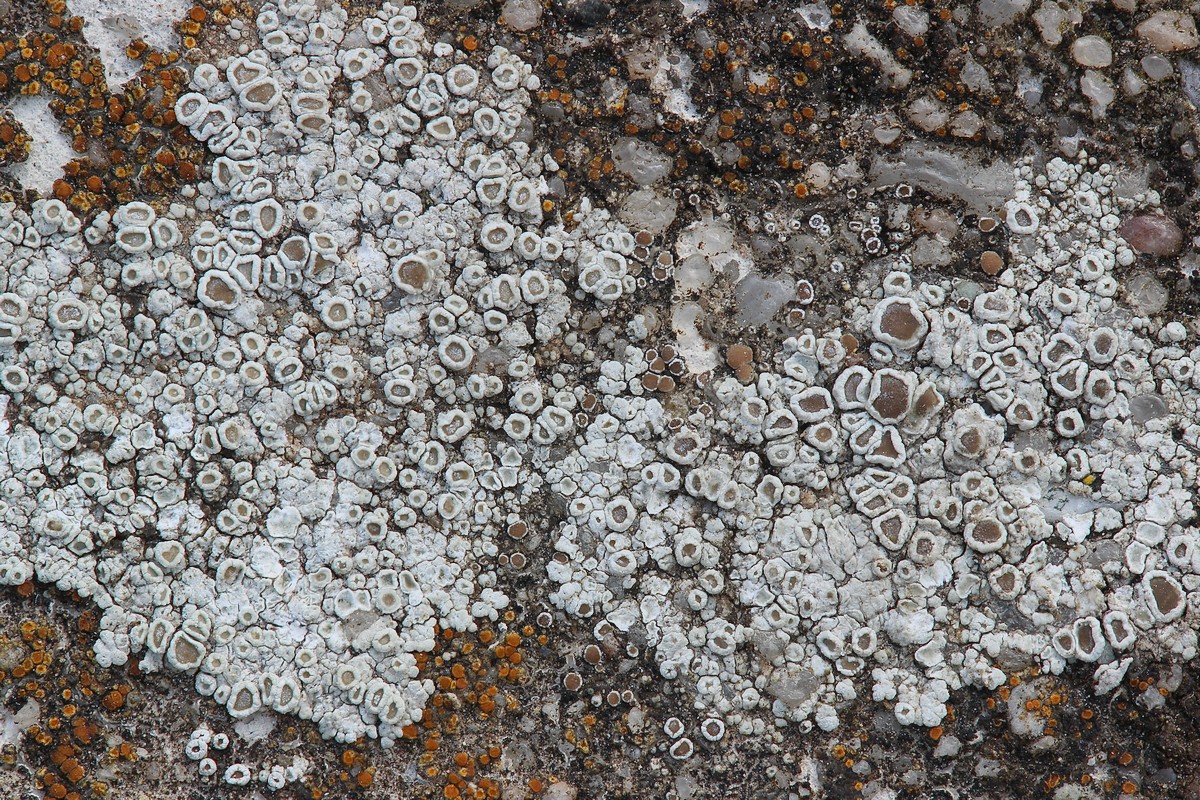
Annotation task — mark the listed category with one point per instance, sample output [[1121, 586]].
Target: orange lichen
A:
[[123, 131], [113, 701]]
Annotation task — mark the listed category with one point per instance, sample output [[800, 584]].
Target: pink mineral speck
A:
[[1152, 234]]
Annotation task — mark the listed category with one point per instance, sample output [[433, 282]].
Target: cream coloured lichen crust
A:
[[989, 482], [276, 429]]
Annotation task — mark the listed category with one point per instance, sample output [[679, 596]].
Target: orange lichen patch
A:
[[113, 701], [73, 771], [469, 670], [124, 131], [84, 731], [69, 693], [14, 143]]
